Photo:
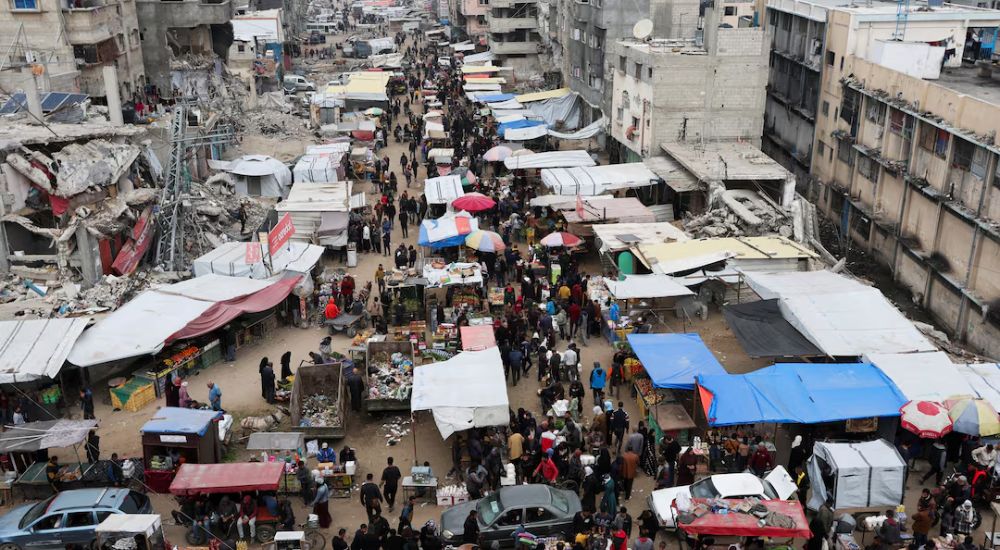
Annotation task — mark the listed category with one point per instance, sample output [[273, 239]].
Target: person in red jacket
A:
[[761, 461], [574, 319], [547, 468], [347, 290], [331, 311]]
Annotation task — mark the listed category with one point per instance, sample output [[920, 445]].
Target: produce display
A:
[[649, 395], [320, 411], [390, 376], [633, 366]]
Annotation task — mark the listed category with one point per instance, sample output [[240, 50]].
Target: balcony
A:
[[510, 3], [91, 25], [508, 48], [505, 24]]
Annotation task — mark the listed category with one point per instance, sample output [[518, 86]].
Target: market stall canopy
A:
[[615, 237], [673, 174], [750, 253], [443, 190], [476, 58], [984, 379], [645, 286], [477, 338], [587, 132], [319, 167], [456, 273], [540, 96], [674, 360], [565, 202], [230, 259], [231, 477], [763, 331], [276, 441], [448, 230], [735, 524], [178, 420], [796, 393], [46, 434], [625, 209], [363, 86], [504, 129], [469, 69], [148, 524], [861, 475], [182, 310], [841, 316], [551, 159], [595, 180], [923, 376], [481, 401], [481, 87], [35, 348]]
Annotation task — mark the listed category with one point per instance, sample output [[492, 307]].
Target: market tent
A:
[[31, 349], [615, 237], [595, 180], [230, 259], [177, 420], [493, 98], [308, 202], [586, 132], [455, 273], [46, 434], [127, 331], [857, 475], [763, 331], [736, 524], [448, 230], [984, 379], [922, 376], [524, 133], [645, 286], [319, 167], [223, 312], [797, 393], [477, 338], [259, 176], [841, 316], [550, 159], [443, 190], [276, 441], [480, 403], [624, 209], [517, 124], [674, 360], [231, 477]]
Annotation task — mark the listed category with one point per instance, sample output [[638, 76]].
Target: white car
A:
[[444, 61], [778, 485]]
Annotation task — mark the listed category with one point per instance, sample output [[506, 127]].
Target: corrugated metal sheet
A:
[[672, 257], [36, 348], [539, 96]]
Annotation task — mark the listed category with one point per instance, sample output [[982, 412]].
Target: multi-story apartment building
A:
[[685, 90], [175, 28], [800, 31], [468, 19], [514, 36], [909, 169], [67, 43]]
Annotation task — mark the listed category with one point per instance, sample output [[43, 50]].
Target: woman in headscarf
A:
[[321, 502], [647, 459], [604, 463], [798, 454], [184, 397], [260, 369], [609, 502], [286, 365]]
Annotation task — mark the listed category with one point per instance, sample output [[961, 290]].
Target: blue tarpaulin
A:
[[502, 129], [801, 393], [424, 240], [674, 360], [175, 420], [495, 98]]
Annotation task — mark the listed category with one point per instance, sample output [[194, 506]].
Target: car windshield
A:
[[489, 508], [560, 501], [704, 489], [769, 490], [35, 512]]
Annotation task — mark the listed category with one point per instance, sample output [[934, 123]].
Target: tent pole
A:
[[413, 432]]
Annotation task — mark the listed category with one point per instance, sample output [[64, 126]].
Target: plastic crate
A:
[[443, 500], [138, 399]]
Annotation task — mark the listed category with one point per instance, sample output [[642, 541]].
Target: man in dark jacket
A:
[[371, 497], [619, 425], [471, 533]]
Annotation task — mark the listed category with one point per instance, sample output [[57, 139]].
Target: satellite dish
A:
[[642, 29]]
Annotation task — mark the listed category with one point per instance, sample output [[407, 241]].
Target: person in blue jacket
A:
[[598, 379]]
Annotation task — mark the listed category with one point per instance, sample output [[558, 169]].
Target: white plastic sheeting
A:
[[842, 317], [318, 168], [551, 159], [524, 134], [259, 175], [478, 58], [596, 180], [35, 348], [230, 259], [646, 286], [562, 111], [308, 202], [443, 190], [865, 475], [984, 379], [586, 132], [128, 331], [926, 376], [482, 400]]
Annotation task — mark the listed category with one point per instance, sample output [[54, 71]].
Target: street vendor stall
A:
[[26, 442], [480, 375], [190, 435], [477, 338], [285, 448], [773, 519], [643, 295]]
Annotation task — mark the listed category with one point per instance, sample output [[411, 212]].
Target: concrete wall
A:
[[156, 17]]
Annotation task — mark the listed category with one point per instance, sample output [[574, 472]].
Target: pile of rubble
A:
[[214, 215], [27, 298], [738, 213], [273, 123]]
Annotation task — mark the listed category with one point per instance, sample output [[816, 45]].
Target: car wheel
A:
[[9, 546], [265, 533]]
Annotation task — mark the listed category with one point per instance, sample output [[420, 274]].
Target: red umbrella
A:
[[473, 202], [928, 419], [561, 238]]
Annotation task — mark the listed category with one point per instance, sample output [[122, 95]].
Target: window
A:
[[102, 515], [868, 168], [901, 123], [875, 112], [120, 42], [539, 514], [622, 63], [826, 108], [836, 203], [25, 4], [970, 157], [831, 58], [849, 105], [845, 152], [49, 522], [730, 10], [635, 122], [512, 517], [649, 73], [79, 519], [638, 71], [241, 47], [862, 225], [821, 148]]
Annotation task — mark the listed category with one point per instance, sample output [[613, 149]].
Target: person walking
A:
[[630, 467], [470, 534], [321, 502], [87, 403], [598, 380], [403, 222], [260, 370], [286, 365], [390, 483], [267, 380], [215, 396], [371, 497], [619, 425]]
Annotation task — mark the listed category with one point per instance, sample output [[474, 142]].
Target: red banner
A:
[[280, 234], [253, 254]]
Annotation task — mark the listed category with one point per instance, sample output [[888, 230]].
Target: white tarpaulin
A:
[[128, 331], [925, 376], [984, 379], [586, 132], [645, 286], [551, 159], [482, 400], [868, 474], [230, 259], [477, 58], [615, 237], [842, 317], [524, 134], [35, 348], [562, 112], [456, 273], [318, 168], [504, 105], [474, 87], [443, 190], [595, 180]]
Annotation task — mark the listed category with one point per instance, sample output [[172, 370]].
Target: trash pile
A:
[[390, 377], [320, 411], [394, 430]]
